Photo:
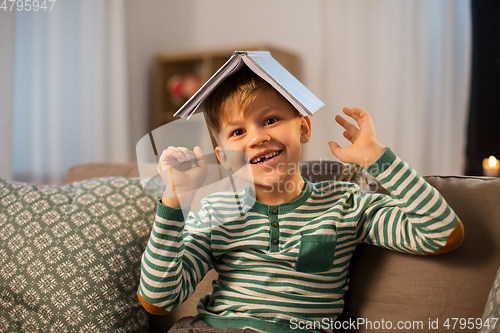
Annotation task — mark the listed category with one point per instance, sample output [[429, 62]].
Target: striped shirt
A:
[[291, 260]]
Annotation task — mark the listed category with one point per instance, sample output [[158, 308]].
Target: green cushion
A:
[[70, 255], [489, 322]]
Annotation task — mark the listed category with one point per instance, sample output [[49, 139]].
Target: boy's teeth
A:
[[269, 155]]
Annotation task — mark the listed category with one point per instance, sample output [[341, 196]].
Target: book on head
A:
[[264, 65]]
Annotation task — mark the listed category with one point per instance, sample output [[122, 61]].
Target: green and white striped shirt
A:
[[288, 261]]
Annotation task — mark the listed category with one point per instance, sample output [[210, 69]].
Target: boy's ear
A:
[[305, 129], [222, 157]]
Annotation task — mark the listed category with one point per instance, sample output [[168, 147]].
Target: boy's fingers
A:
[[165, 160], [188, 154], [355, 113], [362, 115], [346, 124], [201, 159], [172, 153], [360, 112], [348, 136], [349, 111], [174, 157]]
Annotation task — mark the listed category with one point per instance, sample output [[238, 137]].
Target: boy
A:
[[286, 260]]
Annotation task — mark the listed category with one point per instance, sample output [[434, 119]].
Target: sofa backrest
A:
[[97, 170], [392, 286]]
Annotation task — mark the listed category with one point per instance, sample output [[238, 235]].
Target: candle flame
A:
[[492, 161]]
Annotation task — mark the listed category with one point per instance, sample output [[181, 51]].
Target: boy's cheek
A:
[[245, 173], [234, 160]]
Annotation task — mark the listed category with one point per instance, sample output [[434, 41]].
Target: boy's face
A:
[[270, 135]]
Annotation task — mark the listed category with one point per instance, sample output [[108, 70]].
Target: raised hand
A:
[[364, 148], [183, 171]]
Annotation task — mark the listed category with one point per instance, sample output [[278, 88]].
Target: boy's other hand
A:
[[182, 171], [365, 148]]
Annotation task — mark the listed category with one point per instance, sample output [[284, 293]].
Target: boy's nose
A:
[[259, 137]]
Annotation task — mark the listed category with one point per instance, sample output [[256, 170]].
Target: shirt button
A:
[[275, 241], [275, 224], [274, 211]]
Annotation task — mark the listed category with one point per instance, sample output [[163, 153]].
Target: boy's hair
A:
[[242, 88]]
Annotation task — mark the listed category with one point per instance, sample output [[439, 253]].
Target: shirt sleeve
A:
[[415, 218], [175, 260]]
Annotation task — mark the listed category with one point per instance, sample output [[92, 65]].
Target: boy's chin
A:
[[274, 183], [266, 184]]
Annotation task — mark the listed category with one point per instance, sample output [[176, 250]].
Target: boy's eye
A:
[[270, 121], [237, 132]]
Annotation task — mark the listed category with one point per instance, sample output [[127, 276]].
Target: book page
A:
[[263, 64]]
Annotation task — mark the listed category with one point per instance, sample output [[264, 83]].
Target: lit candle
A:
[[491, 167]]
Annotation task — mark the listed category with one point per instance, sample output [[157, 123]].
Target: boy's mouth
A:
[[265, 157]]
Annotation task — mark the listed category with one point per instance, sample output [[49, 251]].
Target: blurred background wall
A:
[[88, 63]]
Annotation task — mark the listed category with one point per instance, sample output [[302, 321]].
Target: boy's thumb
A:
[[336, 149], [201, 158]]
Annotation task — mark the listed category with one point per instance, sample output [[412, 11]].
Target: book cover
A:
[[264, 65]]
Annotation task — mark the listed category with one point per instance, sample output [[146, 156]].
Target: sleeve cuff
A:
[[169, 213], [383, 163]]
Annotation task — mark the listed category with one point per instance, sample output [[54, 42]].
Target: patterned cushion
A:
[[492, 310], [70, 256]]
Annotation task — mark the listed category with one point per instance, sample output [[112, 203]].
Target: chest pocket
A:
[[316, 253]]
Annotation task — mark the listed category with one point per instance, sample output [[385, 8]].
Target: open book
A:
[[264, 65]]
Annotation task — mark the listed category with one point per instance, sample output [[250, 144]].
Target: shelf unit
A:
[[202, 64]]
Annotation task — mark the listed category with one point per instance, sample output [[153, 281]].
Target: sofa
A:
[[388, 290]]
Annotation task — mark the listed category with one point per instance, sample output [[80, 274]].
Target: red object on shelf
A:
[[182, 87]]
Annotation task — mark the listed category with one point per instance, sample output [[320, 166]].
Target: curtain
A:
[[70, 104], [7, 20], [484, 115], [408, 64]]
